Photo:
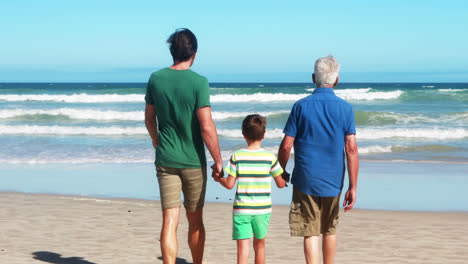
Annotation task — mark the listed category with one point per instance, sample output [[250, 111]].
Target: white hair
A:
[[326, 71]]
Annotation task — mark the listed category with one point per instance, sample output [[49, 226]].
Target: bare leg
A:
[[169, 235], [311, 249], [243, 251], [259, 248], [329, 249], [196, 235]]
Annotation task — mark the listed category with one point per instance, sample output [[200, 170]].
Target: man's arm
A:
[[210, 137], [352, 159], [151, 123], [283, 154]]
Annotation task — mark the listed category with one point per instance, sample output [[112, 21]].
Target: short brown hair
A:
[[183, 44], [253, 127]]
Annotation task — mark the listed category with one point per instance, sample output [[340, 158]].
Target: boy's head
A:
[[182, 44], [253, 127]]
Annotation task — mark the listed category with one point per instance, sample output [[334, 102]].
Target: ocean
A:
[[95, 131]]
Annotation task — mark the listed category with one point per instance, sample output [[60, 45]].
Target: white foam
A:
[[371, 95], [347, 91], [74, 98], [372, 133], [87, 114], [257, 97], [428, 86], [365, 94], [451, 90], [73, 160], [375, 149], [363, 134], [418, 133], [91, 114], [227, 115], [401, 118], [348, 94], [108, 98], [70, 130], [237, 133]]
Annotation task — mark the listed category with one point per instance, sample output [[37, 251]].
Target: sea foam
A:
[[365, 94], [91, 114], [73, 113], [70, 130], [364, 133], [414, 133], [228, 115], [74, 98], [452, 90], [257, 97], [349, 94]]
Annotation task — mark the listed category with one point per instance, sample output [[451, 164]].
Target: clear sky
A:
[[239, 41]]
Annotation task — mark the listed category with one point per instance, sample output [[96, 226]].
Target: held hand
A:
[[285, 176], [217, 171], [349, 200]]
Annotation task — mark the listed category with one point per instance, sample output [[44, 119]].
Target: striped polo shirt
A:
[[253, 169]]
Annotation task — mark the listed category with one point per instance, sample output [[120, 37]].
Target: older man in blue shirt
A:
[[321, 128]]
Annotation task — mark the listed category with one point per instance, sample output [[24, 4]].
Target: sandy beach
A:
[[37, 228]]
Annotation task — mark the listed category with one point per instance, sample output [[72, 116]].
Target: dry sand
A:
[[79, 230]]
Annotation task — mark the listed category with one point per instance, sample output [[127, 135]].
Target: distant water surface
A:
[[98, 122]]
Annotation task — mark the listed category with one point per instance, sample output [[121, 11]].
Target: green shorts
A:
[[244, 226]]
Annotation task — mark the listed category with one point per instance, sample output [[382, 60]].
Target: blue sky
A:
[[239, 41]]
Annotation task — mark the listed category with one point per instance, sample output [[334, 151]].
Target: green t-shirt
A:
[[176, 96]]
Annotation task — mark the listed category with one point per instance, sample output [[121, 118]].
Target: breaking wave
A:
[[91, 114]]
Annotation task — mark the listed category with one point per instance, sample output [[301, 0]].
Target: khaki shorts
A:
[[192, 182], [313, 215]]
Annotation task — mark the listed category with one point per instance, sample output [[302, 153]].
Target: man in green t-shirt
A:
[[178, 119]]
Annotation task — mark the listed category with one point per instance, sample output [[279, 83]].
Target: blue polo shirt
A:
[[319, 124]]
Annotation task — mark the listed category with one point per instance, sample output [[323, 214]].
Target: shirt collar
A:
[[323, 90]]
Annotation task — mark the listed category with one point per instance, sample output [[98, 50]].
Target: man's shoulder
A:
[[165, 73], [299, 103], [158, 75], [159, 72], [198, 76], [329, 98], [343, 103]]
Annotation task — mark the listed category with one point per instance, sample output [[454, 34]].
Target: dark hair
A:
[[183, 44], [253, 127]]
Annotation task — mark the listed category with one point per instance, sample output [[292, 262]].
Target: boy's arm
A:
[[280, 182], [228, 182], [276, 171]]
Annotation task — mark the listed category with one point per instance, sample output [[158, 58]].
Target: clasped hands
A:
[[217, 172]]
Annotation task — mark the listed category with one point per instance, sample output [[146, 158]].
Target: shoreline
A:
[[38, 228], [363, 158], [127, 200], [382, 186]]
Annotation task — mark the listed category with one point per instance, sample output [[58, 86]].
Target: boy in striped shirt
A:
[[253, 168]]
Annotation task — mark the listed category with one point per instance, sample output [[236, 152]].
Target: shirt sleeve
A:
[[203, 94], [149, 96], [351, 127], [291, 125], [276, 169], [231, 167]]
